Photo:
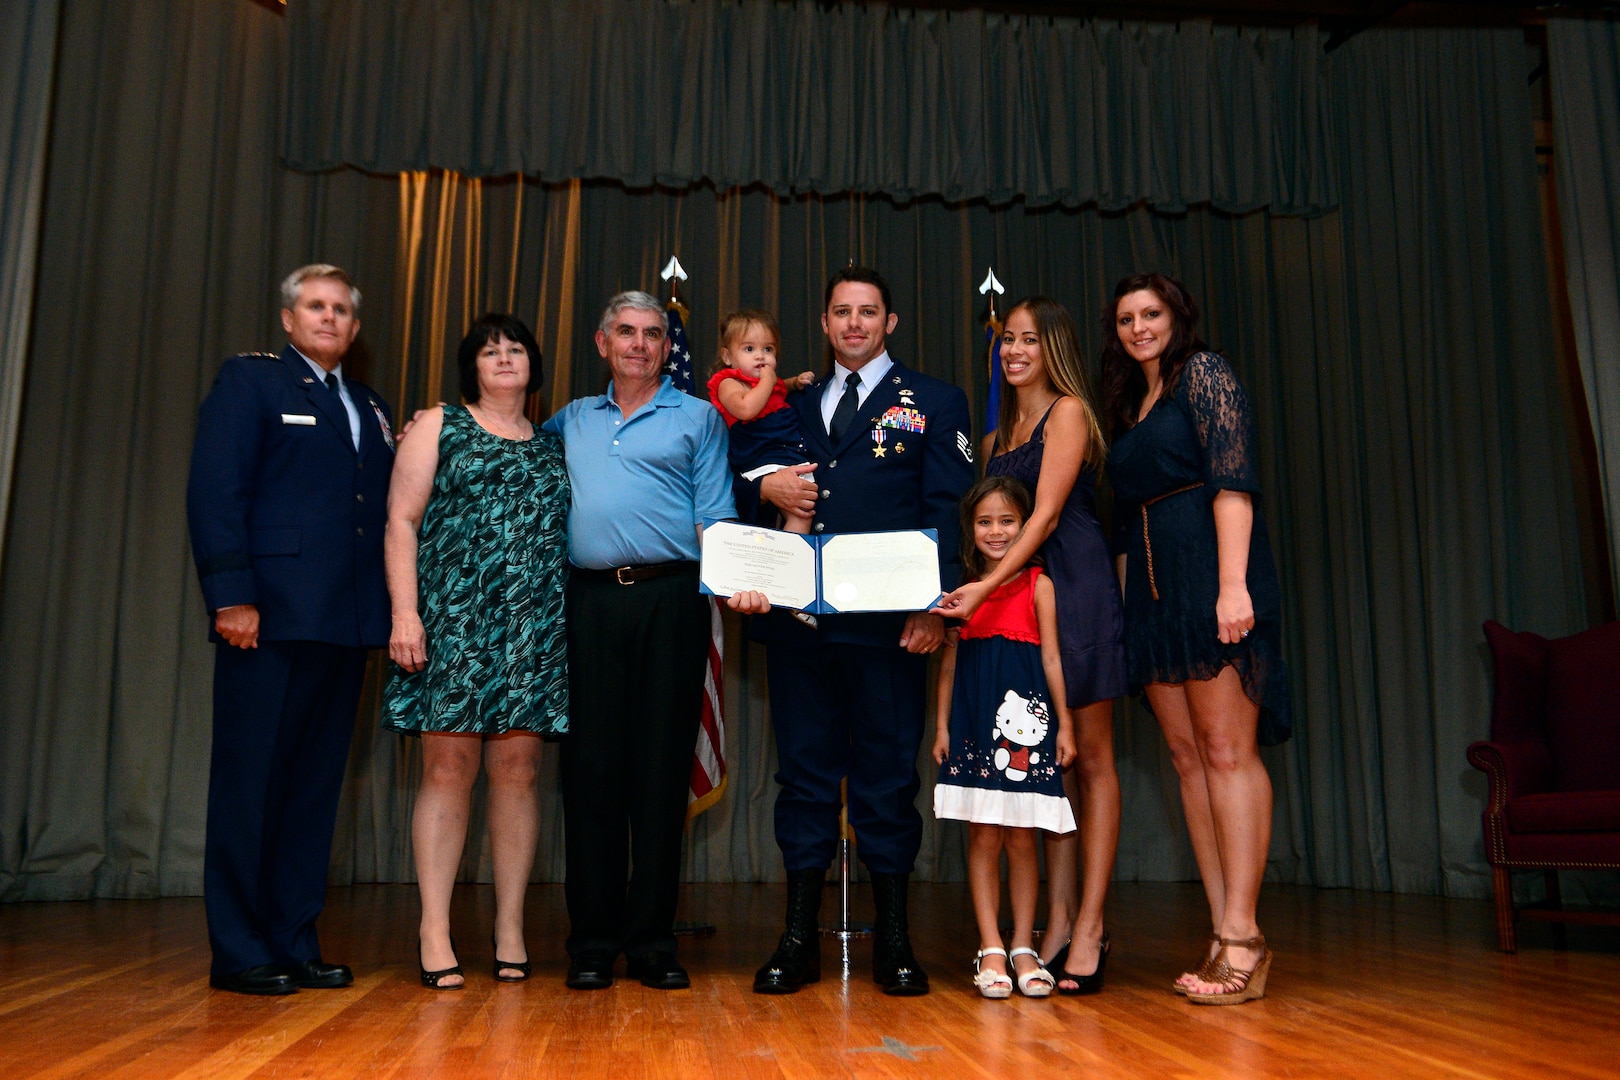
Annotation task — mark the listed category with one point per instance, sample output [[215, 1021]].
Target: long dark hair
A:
[[1123, 384], [1065, 370], [493, 326], [1009, 488]]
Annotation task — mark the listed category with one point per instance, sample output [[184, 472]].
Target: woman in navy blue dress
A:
[[1202, 605], [1048, 437]]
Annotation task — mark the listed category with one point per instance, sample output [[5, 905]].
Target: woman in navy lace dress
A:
[[1202, 604]]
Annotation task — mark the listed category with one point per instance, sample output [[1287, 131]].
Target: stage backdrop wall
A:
[[1397, 349]]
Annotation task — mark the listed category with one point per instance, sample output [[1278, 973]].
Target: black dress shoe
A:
[[592, 971], [315, 975], [795, 963], [660, 971], [268, 979]]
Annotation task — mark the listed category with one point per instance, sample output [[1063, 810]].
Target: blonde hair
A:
[[736, 324], [293, 283]]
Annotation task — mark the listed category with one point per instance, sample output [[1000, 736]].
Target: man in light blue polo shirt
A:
[[647, 466]]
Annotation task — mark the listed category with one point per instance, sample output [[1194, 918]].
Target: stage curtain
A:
[[27, 63], [1583, 61], [809, 97], [1397, 351], [167, 228]]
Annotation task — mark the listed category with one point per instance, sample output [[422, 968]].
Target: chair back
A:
[[1583, 709], [1564, 692]]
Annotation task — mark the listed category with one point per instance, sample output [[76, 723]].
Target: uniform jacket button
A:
[[821, 526]]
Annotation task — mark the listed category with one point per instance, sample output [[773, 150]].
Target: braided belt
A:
[[1147, 541]]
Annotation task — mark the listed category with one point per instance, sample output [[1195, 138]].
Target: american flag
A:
[[709, 758]]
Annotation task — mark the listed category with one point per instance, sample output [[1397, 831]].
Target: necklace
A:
[[500, 427]]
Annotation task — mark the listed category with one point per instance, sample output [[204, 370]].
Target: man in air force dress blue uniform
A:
[[893, 451], [286, 502]]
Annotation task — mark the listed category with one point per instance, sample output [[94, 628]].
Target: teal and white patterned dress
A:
[[491, 563]]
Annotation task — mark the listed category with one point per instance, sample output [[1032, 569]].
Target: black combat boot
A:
[[893, 964], [797, 959]]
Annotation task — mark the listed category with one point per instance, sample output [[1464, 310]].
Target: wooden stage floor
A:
[[1364, 985]]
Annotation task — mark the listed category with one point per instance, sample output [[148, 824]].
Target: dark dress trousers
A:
[[846, 699], [285, 514]]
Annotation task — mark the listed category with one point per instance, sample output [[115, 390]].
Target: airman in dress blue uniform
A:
[[286, 502], [892, 450]]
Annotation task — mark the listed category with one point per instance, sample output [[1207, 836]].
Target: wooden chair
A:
[[1553, 760]]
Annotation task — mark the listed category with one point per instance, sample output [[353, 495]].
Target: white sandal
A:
[[1034, 984], [992, 984]]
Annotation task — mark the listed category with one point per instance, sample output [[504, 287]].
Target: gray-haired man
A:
[[647, 466]]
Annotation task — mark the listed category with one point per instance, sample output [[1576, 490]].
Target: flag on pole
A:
[[679, 365], [992, 333], [992, 408], [708, 781]]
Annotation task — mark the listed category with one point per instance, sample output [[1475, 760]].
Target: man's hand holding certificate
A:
[[847, 572], [746, 558]]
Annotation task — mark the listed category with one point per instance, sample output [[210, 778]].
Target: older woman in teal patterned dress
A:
[[476, 553]]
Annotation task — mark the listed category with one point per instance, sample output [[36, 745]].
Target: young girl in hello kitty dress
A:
[[1003, 737]]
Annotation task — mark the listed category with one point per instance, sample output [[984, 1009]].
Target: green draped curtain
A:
[[27, 63], [807, 97], [1397, 349], [1583, 61]]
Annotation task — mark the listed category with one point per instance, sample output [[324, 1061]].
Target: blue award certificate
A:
[[837, 573]]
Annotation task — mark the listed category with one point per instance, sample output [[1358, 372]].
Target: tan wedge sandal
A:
[[1236, 986], [1200, 970]]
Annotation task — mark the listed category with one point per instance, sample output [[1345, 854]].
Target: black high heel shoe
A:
[[1085, 984], [430, 979], [507, 965], [1058, 959]]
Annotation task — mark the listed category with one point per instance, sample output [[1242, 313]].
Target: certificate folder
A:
[[834, 573]]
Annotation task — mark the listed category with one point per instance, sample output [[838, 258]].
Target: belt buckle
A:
[[618, 575]]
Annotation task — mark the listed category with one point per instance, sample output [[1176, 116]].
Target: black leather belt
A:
[[629, 575]]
